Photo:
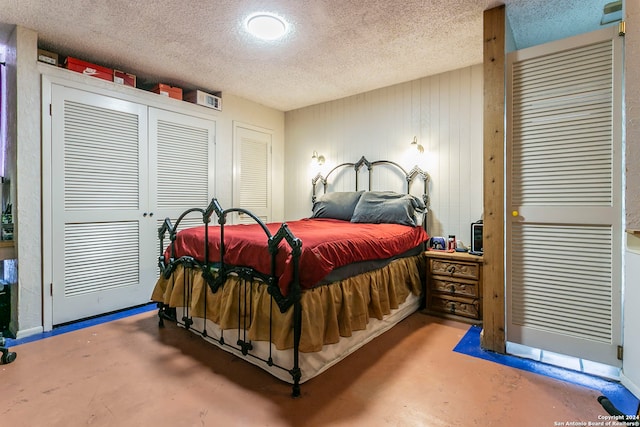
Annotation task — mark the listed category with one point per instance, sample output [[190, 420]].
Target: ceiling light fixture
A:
[[266, 26]]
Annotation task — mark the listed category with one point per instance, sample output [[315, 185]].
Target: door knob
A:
[[515, 213]]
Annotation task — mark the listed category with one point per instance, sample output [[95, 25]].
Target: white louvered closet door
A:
[[182, 169], [252, 164], [564, 222], [99, 194]]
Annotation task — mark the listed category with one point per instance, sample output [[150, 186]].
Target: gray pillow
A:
[[336, 205], [388, 207]]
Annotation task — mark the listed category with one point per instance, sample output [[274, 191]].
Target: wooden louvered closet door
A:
[[564, 219], [99, 192]]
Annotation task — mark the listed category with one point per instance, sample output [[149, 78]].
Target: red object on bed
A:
[[326, 244]]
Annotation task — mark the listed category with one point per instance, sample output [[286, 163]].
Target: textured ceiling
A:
[[336, 48]]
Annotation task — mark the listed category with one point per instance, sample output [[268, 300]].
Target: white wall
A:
[[631, 362], [248, 112], [632, 101], [443, 111], [631, 333], [23, 168], [25, 147]]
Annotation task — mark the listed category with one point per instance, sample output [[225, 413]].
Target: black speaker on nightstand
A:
[[476, 237]]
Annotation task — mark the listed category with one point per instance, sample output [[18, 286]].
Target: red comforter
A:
[[326, 244]]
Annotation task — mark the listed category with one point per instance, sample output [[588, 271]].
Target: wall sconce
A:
[[317, 159], [417, 146]]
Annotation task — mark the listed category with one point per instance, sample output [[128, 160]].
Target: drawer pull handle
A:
[[452, 289], [451, 269], [452, 307]]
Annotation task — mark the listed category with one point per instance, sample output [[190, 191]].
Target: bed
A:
[[295, 298]]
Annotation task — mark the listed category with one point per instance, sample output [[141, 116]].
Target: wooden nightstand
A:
[[454, 285]]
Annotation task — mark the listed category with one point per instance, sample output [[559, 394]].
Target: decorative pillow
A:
[[388, 207], [336, 205]]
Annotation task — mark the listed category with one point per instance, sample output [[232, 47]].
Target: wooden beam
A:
[[493, 333]]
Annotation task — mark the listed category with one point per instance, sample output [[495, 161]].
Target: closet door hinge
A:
[[620, 352], [51, 289], [50, 110], [621, 29]]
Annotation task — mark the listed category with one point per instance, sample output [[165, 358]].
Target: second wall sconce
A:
[[417, 146], [317, 159]]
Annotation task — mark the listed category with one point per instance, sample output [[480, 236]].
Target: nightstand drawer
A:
[[454, 288], [455, 269], [455, 306]]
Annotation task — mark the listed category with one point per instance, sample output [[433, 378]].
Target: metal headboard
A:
[[409, 177]]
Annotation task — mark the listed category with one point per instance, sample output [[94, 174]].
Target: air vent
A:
[[612, 12]]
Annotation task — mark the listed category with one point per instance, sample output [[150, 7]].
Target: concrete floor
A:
[[128, 372]]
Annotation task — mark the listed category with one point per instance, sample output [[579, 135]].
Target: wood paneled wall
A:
[[443, 111]]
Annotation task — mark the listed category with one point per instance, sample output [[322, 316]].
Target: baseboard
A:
[[29, 332], [630, 385], [34, 334]]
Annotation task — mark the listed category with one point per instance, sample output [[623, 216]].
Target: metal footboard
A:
[[217, 274]]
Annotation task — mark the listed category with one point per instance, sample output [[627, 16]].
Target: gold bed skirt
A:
[[328, 311]]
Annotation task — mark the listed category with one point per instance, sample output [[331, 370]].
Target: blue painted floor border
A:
[[622, 398], [93, 321]]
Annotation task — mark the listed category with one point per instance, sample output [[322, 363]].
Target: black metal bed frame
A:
[[215, 274]]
